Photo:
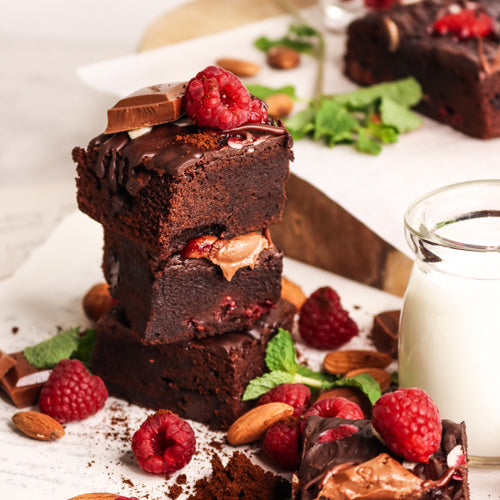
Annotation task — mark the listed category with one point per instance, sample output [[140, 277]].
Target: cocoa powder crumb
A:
[[240, 480], [181, 479], [14, 329], [174, 491]]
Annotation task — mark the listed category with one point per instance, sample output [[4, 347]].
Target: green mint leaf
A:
[[281, 354], [263, 92], [366, 383], [386, 133], [406, 92], [367, 145], [264, 44], [259, 386], [301, 123], [48, 353], [306, 372], [303, 30], [85, 347], [395, 378], [334, 123], [398, 116]]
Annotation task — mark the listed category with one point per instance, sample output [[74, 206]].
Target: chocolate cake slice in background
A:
[[460, 80]]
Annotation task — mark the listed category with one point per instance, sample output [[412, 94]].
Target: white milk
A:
[[450, 330]]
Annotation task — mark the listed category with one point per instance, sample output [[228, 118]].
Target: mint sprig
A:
[[281, 359], [66, 344], [300, 37]]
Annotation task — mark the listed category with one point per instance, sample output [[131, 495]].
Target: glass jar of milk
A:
[[450, 322]]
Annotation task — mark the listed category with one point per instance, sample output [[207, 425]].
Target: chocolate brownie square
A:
[[179, 299], [200, 379], [459, 76], [179, 182]]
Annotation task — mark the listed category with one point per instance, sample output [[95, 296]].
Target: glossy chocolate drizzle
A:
[[125, 162]]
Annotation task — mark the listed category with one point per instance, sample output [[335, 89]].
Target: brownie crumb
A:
[[181, 479], [240, 480], [14, 329], [174, 491]]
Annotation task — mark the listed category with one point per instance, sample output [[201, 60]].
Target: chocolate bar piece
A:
[[23, 382], [6, 363], [199, 379], [147, 107], [384, 333], [327, 465]]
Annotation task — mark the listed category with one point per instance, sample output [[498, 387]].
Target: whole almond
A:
[[381, 376], [281, 57], [343, 361], [253, 424], [96, 496], [238, 66], [292, 292], [279, 105], [38, 425], [97, 301]]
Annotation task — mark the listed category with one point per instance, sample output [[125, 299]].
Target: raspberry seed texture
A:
[[217, 98], [164, 443], [71, 393], [323, 323], [409, 423]]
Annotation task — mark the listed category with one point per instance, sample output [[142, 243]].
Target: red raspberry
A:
[[296, 395], [164, 443], [323, 323], [282, 444], [338, 433], [258, 110], [409, 423], [217, 98], [468, 23], [71, 393], [381, 4], [335, 407]]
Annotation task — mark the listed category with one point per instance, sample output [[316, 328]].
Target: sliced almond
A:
[[381, 376], [238, 66], [96, 496], [343, 361], [253, 424], [292, 292], [38, 425], [279, 105]]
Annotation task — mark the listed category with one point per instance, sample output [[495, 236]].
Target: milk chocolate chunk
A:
[[384, 333], [23, 382], [146, 107], [6, 363]]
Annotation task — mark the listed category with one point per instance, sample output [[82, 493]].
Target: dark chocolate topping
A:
[[168, 149], [319, 458]]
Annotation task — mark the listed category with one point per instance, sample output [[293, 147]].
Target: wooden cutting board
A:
[[314, 228]]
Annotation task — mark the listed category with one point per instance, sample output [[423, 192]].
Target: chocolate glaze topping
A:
[[122, 161]]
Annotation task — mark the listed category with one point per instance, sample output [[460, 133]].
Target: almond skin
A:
[[279, 105], [340, 362], [97, 301], [238, 66], [292, 292], [38, 425], [381, 376], [280, 57], [253, 424]]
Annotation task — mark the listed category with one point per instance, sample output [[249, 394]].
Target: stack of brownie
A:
[[187, 254]]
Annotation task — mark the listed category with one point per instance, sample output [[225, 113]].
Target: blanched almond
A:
[[340, 362], [253, 424]]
